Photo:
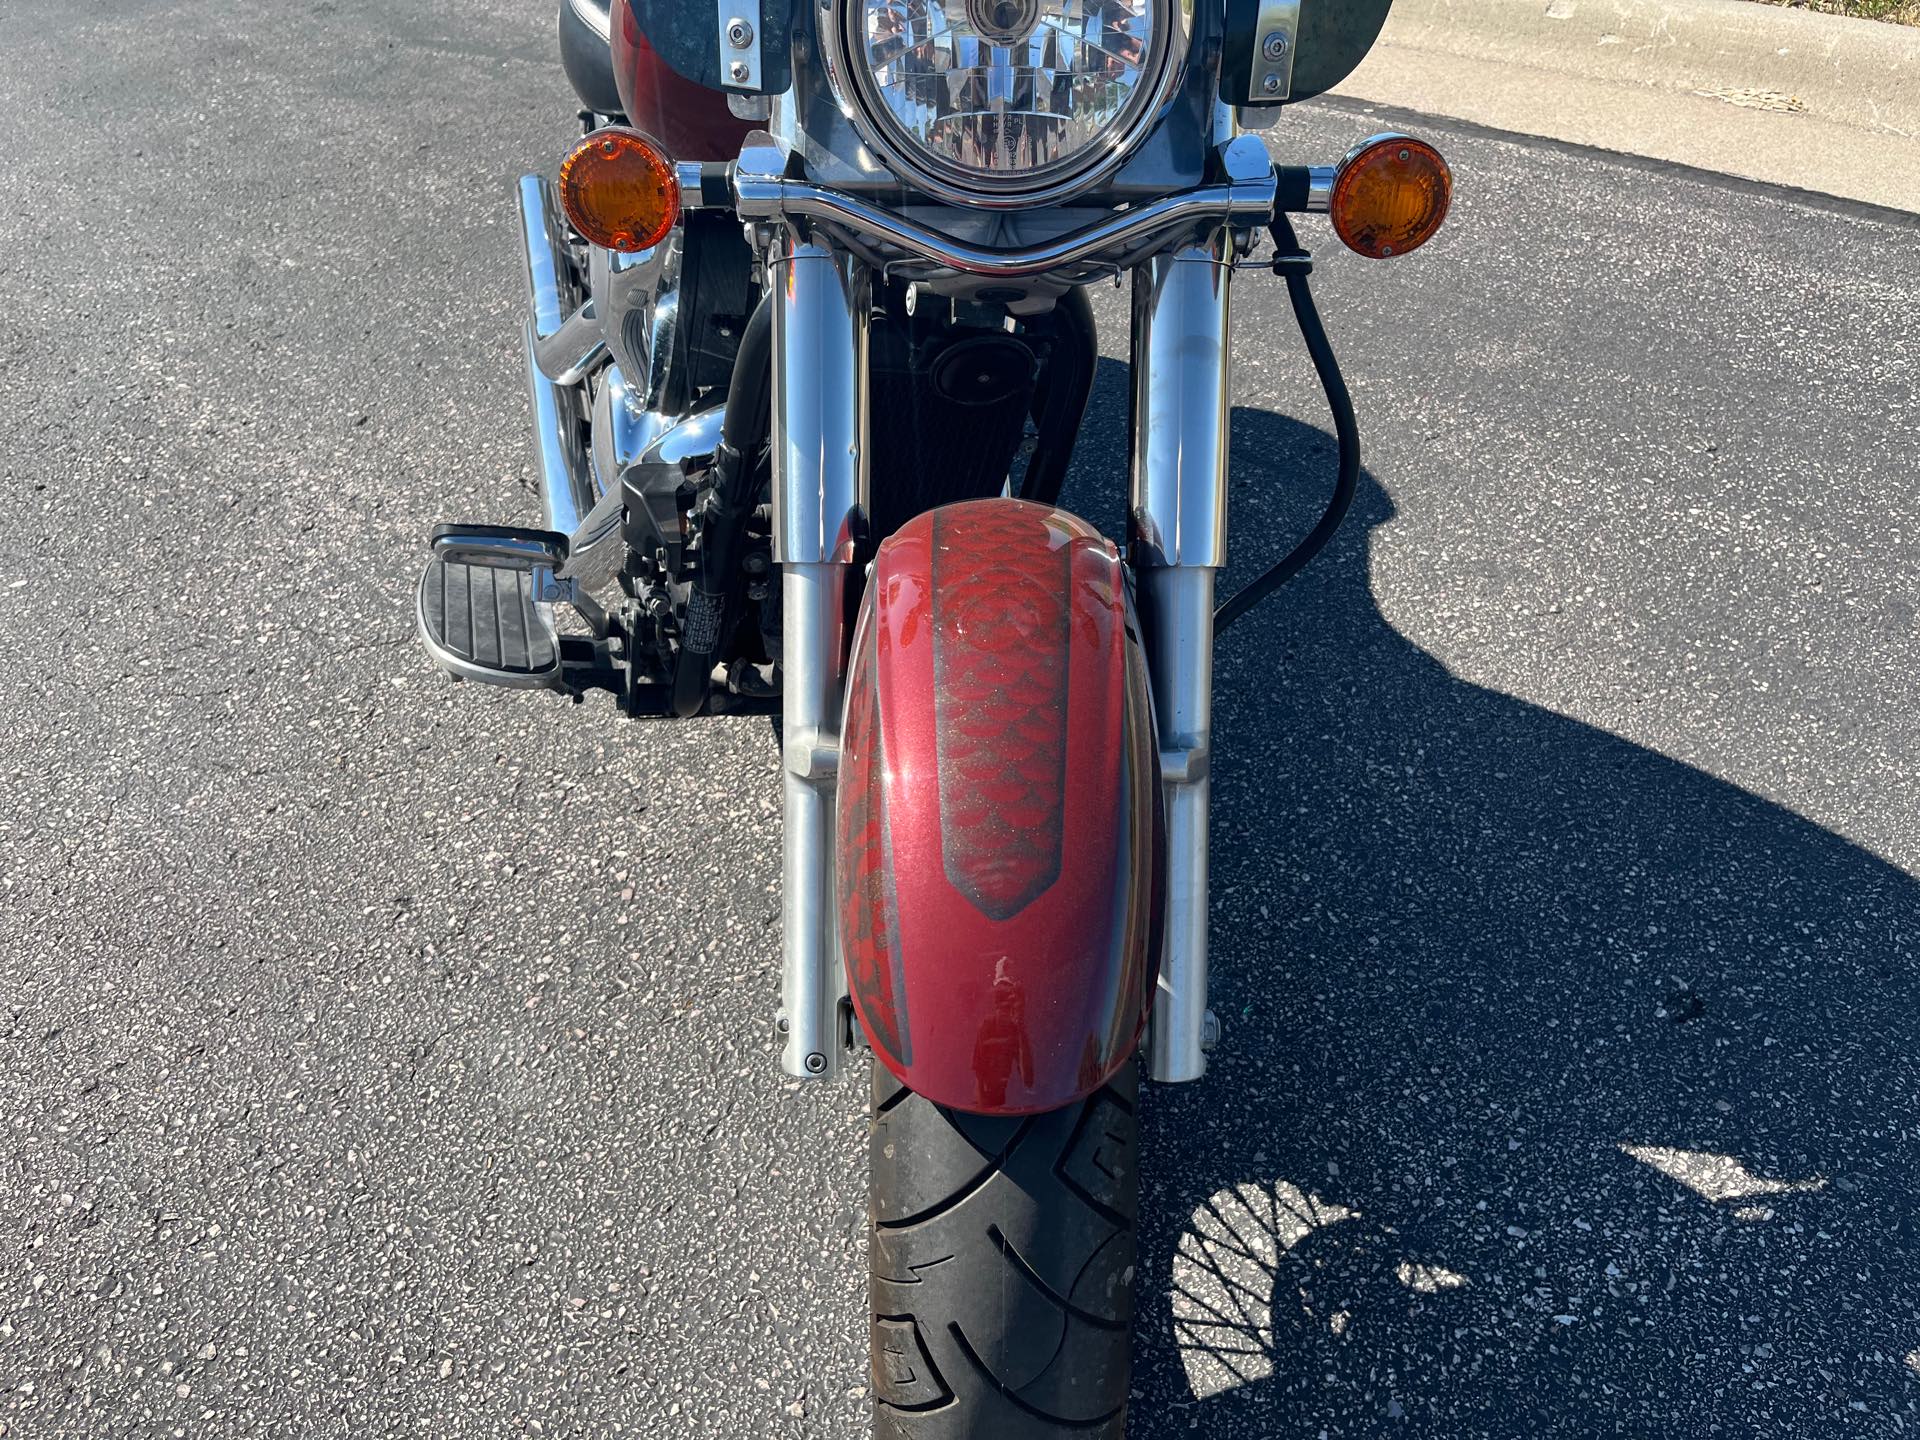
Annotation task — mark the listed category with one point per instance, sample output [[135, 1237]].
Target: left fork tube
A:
[[820, 313], [1181, 350]]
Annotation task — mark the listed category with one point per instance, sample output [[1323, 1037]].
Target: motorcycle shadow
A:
[[1565, 1089]]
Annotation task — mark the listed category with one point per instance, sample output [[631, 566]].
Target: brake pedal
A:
[[485, 607]]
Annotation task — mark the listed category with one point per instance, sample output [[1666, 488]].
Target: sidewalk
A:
[[1787, 96]]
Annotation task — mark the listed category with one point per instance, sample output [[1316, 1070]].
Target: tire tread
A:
[[1012, 1281]]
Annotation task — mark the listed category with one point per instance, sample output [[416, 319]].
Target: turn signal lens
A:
[[1390, 196], [619, 189]]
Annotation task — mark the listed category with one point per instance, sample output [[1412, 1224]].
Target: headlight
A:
[[984, 100]]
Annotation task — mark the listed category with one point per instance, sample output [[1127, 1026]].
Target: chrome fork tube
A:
[[1181, 352], [820, 315]]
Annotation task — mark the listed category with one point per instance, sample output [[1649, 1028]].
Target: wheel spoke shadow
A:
[[1565, 1088]]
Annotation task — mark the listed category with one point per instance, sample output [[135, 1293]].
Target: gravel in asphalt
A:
[[384, 1057]]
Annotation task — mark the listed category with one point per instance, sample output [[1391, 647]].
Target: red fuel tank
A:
[[1000, 835], [691, 121]]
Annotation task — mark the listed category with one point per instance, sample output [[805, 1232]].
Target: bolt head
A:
[[1275, 45], [1271, 85], [816, 1062], [739, 34], [739, 71], [1210, 1033]]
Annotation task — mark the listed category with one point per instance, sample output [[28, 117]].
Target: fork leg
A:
[[820, 496], [1181, 353]]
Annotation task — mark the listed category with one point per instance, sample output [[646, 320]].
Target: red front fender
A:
[[1000, 842]]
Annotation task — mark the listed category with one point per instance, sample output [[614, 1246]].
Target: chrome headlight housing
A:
[[1006, 102]]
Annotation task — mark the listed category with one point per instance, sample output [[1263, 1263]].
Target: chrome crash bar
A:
[[559, 409]]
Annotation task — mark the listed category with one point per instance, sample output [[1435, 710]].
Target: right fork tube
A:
[[820, 316], [1178, 523]]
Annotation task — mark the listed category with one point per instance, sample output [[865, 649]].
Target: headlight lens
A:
[[1008, 94]]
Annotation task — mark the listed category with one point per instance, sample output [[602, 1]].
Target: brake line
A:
[[1294, 264]]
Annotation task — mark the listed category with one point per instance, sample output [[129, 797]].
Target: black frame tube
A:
[[729, 500]]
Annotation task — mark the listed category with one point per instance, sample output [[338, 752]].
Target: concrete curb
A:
[[1787, 96]]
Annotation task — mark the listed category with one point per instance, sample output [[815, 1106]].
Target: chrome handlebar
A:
[[1116, 239], [1253, 190]]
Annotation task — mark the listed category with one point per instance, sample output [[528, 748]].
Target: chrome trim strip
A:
[[636, 430], [1178, 518], [850, 78], [645, 285], [575, 350], [820, 491], [561, 463], [1181, 320], [1176, 610], [1244, 159], [819, 403], [1360, 147], [1123, 236], [690, 178], [1320, 188], [598, 546], [688, 439], [1275, 40], [504, 551], [540, 247], [597, 18], [740, 43]]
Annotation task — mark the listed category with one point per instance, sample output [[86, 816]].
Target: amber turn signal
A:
[[1390, 196], [619, 189]]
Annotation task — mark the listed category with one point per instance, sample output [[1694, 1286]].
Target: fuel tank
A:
[[692, 121], [1000, 837]]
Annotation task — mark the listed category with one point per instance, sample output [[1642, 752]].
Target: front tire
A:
[[1001, 1253]]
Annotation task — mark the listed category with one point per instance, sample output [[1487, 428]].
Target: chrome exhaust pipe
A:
[[561, 458]]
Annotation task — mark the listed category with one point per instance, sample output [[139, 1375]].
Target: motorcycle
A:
[[808, 348]]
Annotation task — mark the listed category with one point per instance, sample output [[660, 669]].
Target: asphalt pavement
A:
[[384, 1057]]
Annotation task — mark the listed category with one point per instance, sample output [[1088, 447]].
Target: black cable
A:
[[749, 417], [1292, 262]]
